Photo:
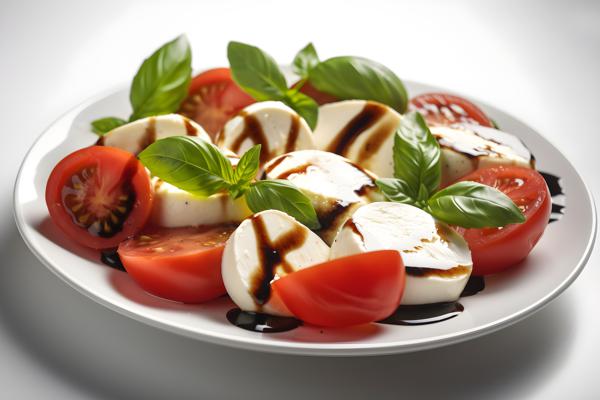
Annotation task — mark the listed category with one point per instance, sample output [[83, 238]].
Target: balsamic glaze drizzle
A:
[[111, 258], [258, 322], [556, 190], [423, 314]]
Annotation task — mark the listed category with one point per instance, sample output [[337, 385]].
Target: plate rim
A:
[[304, 348]]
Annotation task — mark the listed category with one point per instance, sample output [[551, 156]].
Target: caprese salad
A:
[[334, 199]]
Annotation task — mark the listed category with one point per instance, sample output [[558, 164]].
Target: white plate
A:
[[556, 261]]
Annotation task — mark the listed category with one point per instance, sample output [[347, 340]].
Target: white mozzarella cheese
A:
[[466, 148], [335, 186], [266, 247], [137, 135], [437, 259], [173, 207], [272, 124], [360, 130]]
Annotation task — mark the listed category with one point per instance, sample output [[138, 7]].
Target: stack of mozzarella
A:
[[353, 215]]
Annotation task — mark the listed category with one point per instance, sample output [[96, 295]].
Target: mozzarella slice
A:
[[437, 259], [174, 208], [272, 124], [468, 147], [362, 131], [265, 247], [137, 135], [335, 186]]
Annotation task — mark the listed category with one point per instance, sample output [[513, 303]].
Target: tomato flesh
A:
[[179, 264], [346, 291], [99, 196], [447, 109], [496, 249], [213, 99]]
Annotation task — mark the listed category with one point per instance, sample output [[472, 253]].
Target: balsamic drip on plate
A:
[[475, 285], [556, 191], [112, 259], [423, 314], [258, 322]]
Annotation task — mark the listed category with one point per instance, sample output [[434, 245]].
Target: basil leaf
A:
[[282, 195], [162, 81], [247, 167], [195, 166], [305, 60], [359, 78], [474, 205], [417, 156], [395, 190], [305, 106], [256, 72], [107, 124]]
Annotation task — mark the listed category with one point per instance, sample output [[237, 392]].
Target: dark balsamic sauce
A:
[[271, 255], [366, 118], [556, 190], [150, 134], [375, 140], [253, 131], [290, 144], [474, 285], [423, 314], [258, 322], [112, 259], [190, 130]]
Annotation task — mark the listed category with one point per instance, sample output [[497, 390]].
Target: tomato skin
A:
[[190, 274], [113, 165], [213, 99], [437, 109], [495, 250], [346, 291]]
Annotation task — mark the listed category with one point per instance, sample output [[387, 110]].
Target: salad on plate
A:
[[331, 199]]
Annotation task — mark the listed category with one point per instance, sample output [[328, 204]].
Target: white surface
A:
[[537, 61]]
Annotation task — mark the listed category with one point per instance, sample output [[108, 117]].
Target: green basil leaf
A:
[[305, 60], [162, 81], [305, 106], [359, 78], [282, 195], [247, 167], [474, 205], [417, 156], [395, 190], [195, 166], [107, 124], [256, 72]]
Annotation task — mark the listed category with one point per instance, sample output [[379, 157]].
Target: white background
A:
[[539, 61]]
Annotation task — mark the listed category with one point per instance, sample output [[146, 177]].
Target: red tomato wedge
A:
[[213, 99], [179, 264], [497, 249], [346, 291], [447, 109], [99, 196]]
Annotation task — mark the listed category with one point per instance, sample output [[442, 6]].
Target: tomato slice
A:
[[99, 196], [447, 109], [346, 291], [180, 264], [496, 249], [213, 99], [318, 96]]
